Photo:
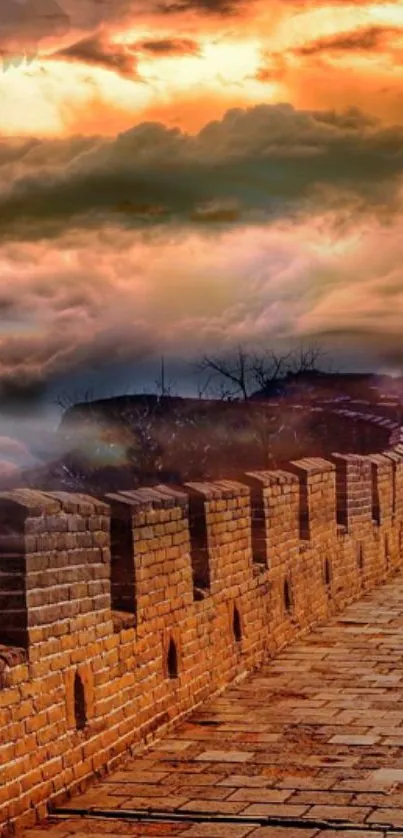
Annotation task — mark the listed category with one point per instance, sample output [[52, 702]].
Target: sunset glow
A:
[[280, 54], [176, 176]]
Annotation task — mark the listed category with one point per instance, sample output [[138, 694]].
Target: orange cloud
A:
[[361, 39], [125, 62], [264, 203], [67, 102], [98, 51]]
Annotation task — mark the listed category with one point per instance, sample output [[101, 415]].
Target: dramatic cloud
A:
[[272, 161], [183, 175], [121, 58], [363, 38], [186, 63], [96, 51], [25, 23], [97, 299]]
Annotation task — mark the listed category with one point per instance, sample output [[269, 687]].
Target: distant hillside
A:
[[134, 440], [317, 385]]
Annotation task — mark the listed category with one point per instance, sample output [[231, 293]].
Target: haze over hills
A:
[[194, 175], [132, 439]]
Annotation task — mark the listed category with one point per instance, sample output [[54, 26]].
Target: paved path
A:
[[316, 735]]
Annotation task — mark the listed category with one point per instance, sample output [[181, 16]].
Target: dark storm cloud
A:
[[364, 38], [95, 50], [267, 160], [18, 395], [217, 7], [81, 336], [168, 46]]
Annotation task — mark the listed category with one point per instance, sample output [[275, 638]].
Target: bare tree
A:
[[246, 371], [307, 359], [269, 367], [202, 388], [236, 372], [165, 388]]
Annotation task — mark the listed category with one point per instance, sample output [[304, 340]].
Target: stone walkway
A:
[[316, 735]]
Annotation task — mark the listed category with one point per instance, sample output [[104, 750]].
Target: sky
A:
[[181, 177]]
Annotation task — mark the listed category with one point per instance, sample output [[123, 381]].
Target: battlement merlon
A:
[[220, 533], [150, 562], [317, 492], [353, 490], [382, 478], [54, 565], [275, 508]]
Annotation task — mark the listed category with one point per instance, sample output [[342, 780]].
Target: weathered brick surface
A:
[[117, 617], [307, 737]]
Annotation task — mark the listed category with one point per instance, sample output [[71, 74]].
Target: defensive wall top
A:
[[119, 614], [41, 532]]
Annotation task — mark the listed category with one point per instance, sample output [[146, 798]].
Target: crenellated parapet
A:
[[120, 614], [54, 565]]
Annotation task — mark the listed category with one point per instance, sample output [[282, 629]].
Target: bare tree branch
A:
[[237, 371], [203, 387], [246, 371], [307, 359], [269, 367]]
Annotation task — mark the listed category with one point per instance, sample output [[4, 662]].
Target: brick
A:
[[218, 830], [225, 756], [341, 739], [341, 813]]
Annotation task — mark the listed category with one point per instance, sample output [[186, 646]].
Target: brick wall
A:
[[118, 616]]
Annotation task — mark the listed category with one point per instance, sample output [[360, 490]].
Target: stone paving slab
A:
[[315, 734]]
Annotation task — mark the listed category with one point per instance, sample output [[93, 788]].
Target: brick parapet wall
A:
[[118, 616]]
